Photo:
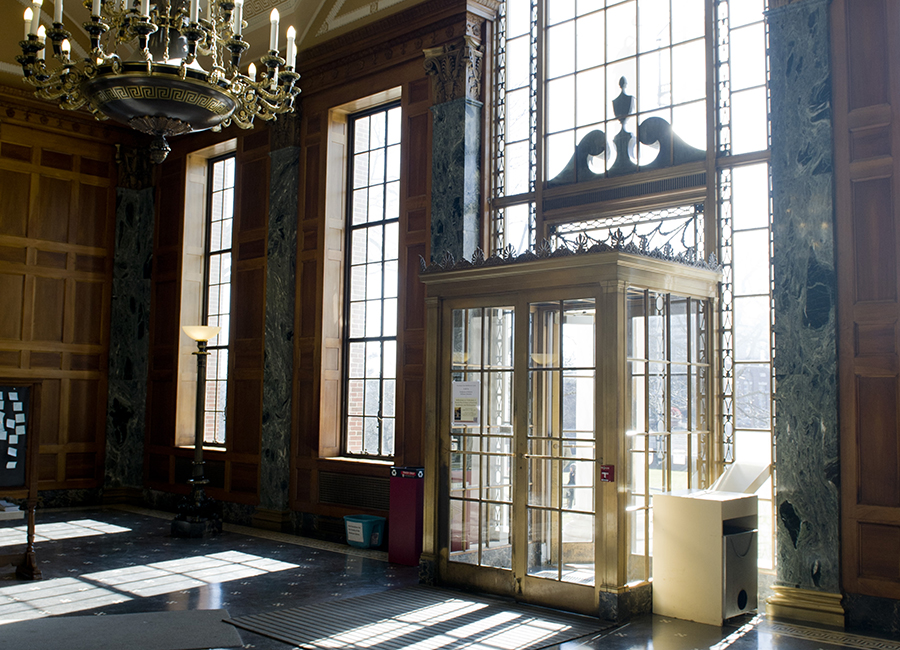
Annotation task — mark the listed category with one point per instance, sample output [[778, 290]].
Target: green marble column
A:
[[129, 325], [455, 70], [806, 430], [281, 262]]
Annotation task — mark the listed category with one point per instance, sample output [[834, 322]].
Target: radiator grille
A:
[[370, 492]]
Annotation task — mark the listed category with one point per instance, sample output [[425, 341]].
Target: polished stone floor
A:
[[120, 561]]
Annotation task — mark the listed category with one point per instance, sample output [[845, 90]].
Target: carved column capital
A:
[[455, 70], [285, 130], [134, 167]]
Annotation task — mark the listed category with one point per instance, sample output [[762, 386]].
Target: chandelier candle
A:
[[28, 14], [273, 32], [57, 11], [291, 48], [36, 15], [238, 16]]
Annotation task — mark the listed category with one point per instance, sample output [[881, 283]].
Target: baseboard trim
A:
[[122, 495], [795, 604], [275, 520]]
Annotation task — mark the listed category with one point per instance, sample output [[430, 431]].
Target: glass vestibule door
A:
[[481, 437], [560, 503], [522, 472]]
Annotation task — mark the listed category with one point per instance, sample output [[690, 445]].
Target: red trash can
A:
[[406, 515]]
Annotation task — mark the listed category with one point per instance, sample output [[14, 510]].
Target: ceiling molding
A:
[[334, 21], [377, 35]]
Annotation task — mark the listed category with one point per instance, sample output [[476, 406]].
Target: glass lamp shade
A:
[[201, 332]]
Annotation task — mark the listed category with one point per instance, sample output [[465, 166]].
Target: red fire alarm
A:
[[608, 473]]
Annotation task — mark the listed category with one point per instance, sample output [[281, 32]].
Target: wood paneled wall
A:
[[233, 472], [375, 61], [866, 49], [57, 224]]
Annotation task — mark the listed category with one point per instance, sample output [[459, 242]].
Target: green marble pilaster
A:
[[806, 430], [455, 70], [281, 262], [128, 339], [455, 179]]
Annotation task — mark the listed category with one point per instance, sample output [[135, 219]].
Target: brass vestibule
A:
[[562, 393]]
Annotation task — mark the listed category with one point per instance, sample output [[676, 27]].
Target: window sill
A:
[[360, 461], [205, 448]]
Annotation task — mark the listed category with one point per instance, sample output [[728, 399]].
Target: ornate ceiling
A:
[[316, 21]]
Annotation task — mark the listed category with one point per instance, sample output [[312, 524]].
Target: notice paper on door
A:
[[465, 403]]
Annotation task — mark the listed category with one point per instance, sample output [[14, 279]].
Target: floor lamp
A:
[[197, 516]]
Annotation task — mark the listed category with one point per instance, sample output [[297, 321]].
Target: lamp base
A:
[[197, 516], [196, 529]]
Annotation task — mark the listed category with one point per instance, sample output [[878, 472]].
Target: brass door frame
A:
[[605, 278]]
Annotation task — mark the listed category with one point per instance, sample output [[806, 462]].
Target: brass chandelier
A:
[[157, 86]]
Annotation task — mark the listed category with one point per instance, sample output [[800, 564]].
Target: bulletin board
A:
[[20, 401], [14, 435]]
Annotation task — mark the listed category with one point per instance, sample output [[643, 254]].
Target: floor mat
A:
[[175, 630], [420, 618]]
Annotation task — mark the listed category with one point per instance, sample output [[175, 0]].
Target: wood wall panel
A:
[[874, 238], [46, 359], [417, 171], [161, 418], [866, 65], [312, 178], [51, 259], [246, 422], [12, 288], [869, 143], [57, 218], [876, 339], [82, 410], [165, 334], [48, 468], [81, 466], [19, 152], [87, 326], [254, 194], [244, 477], [15, 193], [50, 411], [57, 159], [51, 220], [49, 309], [879, 556], [88, 224], [249, 318], [879, 456]]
